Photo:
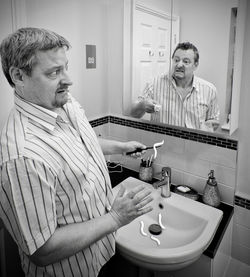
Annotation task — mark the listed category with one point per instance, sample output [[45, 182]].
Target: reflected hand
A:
[[149, 105], [209, 125], [127, 207]]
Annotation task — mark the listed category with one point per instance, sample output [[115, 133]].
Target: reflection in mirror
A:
[[212, 27]]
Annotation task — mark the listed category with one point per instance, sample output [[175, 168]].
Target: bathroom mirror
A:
[[215, 27]]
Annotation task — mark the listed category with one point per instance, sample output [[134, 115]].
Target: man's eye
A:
[[54, 74], [186, 62]]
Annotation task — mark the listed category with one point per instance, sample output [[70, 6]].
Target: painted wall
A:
[[81, 22], [6, 91]]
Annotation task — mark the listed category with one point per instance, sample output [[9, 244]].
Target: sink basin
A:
[[189, 228]]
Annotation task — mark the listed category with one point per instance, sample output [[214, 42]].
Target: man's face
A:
[[48, 84], [183, 64]]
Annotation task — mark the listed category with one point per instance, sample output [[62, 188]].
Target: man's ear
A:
[[196, 64], [17, 75]]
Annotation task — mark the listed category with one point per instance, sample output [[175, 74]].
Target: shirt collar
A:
[[45, 117], [194, 83]]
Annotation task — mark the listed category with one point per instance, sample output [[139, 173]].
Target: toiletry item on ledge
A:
[[146, 170], [186, 191], [211, 194]]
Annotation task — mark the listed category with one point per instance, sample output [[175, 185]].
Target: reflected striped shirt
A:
[[53, 173], [199, 105]]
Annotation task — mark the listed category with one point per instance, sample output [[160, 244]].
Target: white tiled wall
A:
[[190, 162], [241, 235]]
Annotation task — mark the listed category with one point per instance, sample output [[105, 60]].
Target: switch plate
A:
[[90, 56]]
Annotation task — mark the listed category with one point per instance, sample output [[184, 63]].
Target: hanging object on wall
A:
[[90, 56]]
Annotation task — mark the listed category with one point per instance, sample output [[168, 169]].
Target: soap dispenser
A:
[[211, 194]]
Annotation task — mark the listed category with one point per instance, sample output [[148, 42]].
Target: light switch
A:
[[90, 56]]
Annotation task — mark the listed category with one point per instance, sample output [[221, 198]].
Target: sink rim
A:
[[180, 254]]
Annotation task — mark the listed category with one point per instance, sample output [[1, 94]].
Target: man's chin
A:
[[62, 101], [179, 75]]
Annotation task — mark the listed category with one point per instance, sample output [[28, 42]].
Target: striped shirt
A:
[[53, 173], [199, 105]]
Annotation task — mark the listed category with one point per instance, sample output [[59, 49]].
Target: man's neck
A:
[[184, 83]]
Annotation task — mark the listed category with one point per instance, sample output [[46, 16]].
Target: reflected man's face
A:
[[183, 64]]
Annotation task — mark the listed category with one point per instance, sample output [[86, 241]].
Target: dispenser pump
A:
[[211, 195], [211, 179]]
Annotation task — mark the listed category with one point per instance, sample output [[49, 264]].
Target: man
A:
[[184, 100], [55, 194]]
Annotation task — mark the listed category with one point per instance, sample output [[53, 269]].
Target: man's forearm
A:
[[70, 239], [110, 147], [138, 109]]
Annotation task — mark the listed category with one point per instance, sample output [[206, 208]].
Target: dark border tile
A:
[[242, 202], [167, 130]]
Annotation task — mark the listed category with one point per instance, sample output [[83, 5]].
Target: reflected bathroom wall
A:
[[210, 26]]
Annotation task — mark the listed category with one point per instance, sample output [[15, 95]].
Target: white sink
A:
[[189, 228]]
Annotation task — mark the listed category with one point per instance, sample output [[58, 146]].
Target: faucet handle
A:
[[166, 172]]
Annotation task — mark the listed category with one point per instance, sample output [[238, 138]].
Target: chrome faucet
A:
[[165, 182]]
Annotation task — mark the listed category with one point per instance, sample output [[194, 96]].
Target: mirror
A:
[[215, 27]]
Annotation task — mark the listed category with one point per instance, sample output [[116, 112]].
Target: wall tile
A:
[[240, 252], [190, 162], [118, 132], [242, 216], [241, 234], [215, 154], [196, 166], [196, 182], [226, 193], [223, 174]]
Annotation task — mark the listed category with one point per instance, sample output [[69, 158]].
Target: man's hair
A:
[[19, 49], [187, 46]]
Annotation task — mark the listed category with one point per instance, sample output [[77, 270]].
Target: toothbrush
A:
[[156, 145]]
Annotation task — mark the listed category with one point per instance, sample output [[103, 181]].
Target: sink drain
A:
[[155, 229]]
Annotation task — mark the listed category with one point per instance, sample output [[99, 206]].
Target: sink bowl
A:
[[184, 229]]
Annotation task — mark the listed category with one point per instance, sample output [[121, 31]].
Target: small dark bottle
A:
[[211, 194]]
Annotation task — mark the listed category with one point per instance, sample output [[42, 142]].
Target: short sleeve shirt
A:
[[53, 173], [199, 106]]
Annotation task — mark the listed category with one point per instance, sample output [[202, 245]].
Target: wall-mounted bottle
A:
[[211, 194]]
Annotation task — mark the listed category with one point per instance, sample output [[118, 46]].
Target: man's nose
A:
[[180, 63], [66, 79]]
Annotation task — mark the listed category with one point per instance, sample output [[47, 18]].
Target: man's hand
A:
[[131, 146], [127, 207], [149, 105]]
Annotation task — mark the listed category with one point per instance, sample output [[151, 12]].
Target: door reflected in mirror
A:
[[173, 87]]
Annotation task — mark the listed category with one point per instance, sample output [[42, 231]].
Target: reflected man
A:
[[183, 100]]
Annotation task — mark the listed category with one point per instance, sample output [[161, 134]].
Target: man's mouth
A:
[[62, 90], [179, 70]]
